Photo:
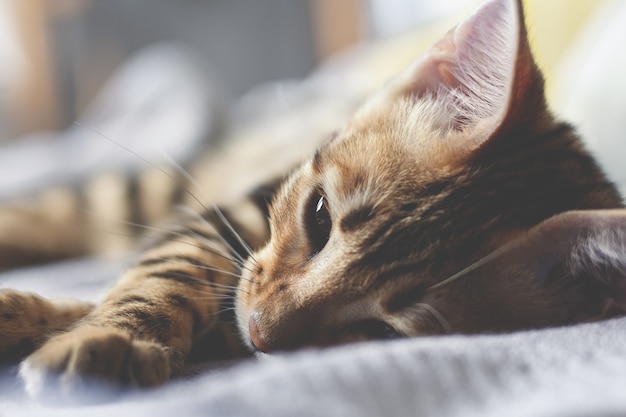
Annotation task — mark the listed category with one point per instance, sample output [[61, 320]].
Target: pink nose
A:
[[255, 336]]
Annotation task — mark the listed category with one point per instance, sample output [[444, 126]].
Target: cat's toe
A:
[[148, 365], [90, 363]]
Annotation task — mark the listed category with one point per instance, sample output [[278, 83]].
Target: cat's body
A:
[[452, 201]]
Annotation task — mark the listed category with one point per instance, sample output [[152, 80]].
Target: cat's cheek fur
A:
[[243, 308]]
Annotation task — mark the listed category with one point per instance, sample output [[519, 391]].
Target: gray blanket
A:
[[572, 371]]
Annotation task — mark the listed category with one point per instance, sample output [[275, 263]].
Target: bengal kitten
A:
[[453, 201]]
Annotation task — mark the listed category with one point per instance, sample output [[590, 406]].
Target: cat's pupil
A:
[[319, 223], [321, 214]]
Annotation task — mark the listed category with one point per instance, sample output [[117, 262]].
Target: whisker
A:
[[231, 323], [126, 148], [212, 250], [215, 252], [230, 292], [230, 287], [189, 211], [206, 284], [437, 315], [217, 210], [213, 297], [219, 312], [482, 261], [224, 310], [208, 268], [181, 170], [203, 267], [157, 236], [210, 284]]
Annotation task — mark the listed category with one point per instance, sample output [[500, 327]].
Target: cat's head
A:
[[428, 212]]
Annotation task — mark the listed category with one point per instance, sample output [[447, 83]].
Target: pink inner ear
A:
[[472, 67], [437, 66]]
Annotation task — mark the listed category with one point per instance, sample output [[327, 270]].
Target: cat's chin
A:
[[244, 327]]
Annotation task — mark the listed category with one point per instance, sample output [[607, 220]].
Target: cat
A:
[[453, 201]]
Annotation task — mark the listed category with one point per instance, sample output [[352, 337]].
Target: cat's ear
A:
[[481, 72], [582, 249]]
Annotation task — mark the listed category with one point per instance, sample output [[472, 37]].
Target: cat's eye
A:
[[375, 329], [318, 222]]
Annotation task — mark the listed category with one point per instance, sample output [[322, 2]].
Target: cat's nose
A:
[[255, 335]]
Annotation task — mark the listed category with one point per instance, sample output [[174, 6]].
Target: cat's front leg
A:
[[144, 330], [139, 336]]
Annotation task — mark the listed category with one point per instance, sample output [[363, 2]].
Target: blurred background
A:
[[57, 55], [162, 78]]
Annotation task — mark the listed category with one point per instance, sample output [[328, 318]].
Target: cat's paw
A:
[[23, 324], [90, 361], [27, 320]]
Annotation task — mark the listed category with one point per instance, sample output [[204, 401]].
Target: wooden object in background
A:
[[337, 24], [33, 97]]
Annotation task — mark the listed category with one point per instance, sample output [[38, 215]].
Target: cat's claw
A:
[[89, 363]]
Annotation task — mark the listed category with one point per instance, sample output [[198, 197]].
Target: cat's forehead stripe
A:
[[356, 218], [316, 161], [317, 157]]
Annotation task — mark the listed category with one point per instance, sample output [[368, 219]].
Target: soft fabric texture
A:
[[573, 371], [576, 371]]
